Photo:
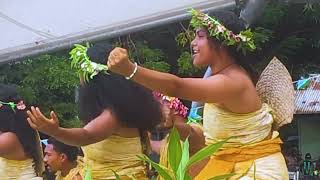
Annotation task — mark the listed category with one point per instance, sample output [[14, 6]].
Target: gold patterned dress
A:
[[116, 153], [253, 152], [18, 170]]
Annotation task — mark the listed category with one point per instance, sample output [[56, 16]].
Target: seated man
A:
[[61, 159]]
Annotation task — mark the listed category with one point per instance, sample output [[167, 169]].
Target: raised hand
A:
[[41, 123], [118, 62]]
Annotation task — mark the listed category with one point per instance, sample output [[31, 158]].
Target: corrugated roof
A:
[[308, 101]]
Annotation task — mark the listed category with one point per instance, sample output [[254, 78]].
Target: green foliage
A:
[[150, 58], [179, 160], [261, 36], [185, 65], [46, 81], [312, 12], [273, 15], [159, 66], [290, 32], [185, 38], [289, 46]]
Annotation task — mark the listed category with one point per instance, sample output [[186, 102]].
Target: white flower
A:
[[94, 65], [83, 65], [78, 53], [243, 38], [220, 28]]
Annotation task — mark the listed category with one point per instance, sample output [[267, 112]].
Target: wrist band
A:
[[134, 71]]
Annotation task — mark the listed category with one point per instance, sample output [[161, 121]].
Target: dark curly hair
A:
[[15, 121], [71, 152], [233, 23], [132, 104]]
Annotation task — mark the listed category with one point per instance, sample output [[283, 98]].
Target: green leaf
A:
[[182, 170], [206, 152], [163, 172], [115, 174], [88, 175], [221, 177], [254, 170], [187, 177], [174, 149]]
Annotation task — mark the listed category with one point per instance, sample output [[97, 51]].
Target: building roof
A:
[[308, 101]]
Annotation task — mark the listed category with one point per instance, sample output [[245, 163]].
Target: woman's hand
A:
[[41, 123], [118, 62]]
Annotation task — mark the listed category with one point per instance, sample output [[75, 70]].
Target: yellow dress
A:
[[17, 170], [254, 150], [73, 172], [117, 154]]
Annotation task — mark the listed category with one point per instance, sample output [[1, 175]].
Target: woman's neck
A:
[[222, 62]]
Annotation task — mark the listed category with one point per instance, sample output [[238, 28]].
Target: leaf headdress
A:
[[243, 40], [81, 62]]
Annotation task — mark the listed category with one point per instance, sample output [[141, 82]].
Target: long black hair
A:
[[233, 23], [132, 104], [15, 120]]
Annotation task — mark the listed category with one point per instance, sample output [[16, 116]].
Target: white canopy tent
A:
[[33, 27]]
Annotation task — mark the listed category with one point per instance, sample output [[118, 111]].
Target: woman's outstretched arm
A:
[[213, 89], [96, 130]]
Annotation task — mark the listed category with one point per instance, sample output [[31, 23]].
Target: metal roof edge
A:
[[122, 28]]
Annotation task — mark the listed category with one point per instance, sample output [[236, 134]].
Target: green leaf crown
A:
[[243, 40], [81, 62]]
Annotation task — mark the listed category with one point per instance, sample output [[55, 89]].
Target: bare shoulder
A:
[[10, 146], [9, 138], [234, 78], [248, 94]]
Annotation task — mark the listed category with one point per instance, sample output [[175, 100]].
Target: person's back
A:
[[19, 151], [118, 152], [116, 113]]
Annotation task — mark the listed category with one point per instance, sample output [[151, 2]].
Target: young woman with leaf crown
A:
[[116, 114], [232, 105]]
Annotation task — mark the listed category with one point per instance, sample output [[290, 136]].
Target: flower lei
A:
[[20, 105], [175, 103], [81, 62], [243, 40]]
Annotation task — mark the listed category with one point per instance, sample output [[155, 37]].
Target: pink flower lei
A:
[[175, 104]]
